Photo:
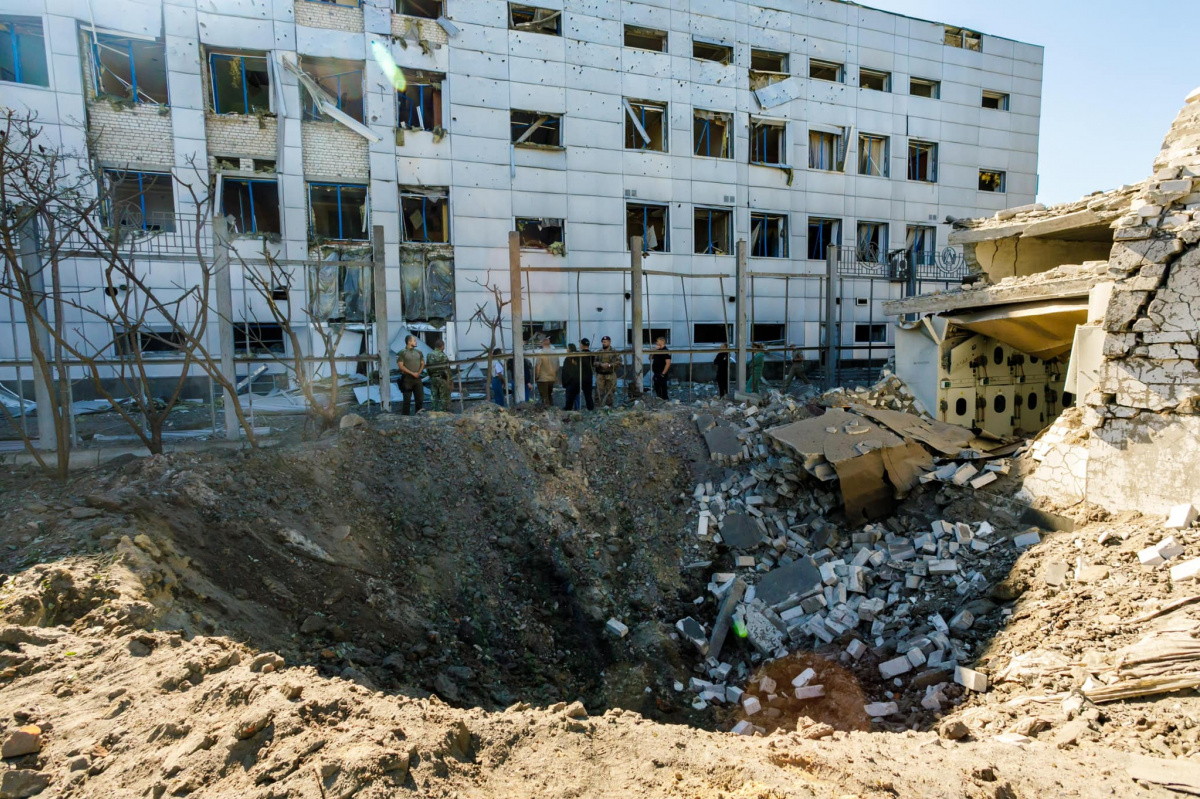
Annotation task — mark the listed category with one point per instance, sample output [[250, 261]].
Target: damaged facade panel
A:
[[426, 215], [419, 103], [646, 39], [133, 70], [534, 20], [712, 134]]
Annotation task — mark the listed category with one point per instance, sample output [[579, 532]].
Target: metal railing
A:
[[902, 266]]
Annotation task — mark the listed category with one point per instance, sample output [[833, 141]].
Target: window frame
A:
[[425, 199], [247, 109], [726, 326], [637, 31], [863, 152], [763, 52], [758, 249], [309, 111], [441, 13], [1001, 99], [664, 125], [935, 87], [836, 143], [664, 245], [871, 329], [697, 119], [1001, 180], [766, 122], [887, 79], [422, 80], [709, 211], [928, 246], [118, 177], [837, 236], [227, 180], [552, 121], [536, 246], [861, 252], [96, 40], [556, 15], [365, 235], [15, 36], [914, 148], [726, 51], [818, 63]]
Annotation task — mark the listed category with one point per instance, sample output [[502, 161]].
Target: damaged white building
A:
[[578, 123]]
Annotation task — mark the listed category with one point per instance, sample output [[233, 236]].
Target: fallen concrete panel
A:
[[723, 441], [779, 93], [797, 579], [1018, 291], [739, 531]]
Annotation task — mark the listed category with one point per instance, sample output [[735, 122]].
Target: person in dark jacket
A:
[[587, 369], [570, 378], [721, 362], [530, 391]]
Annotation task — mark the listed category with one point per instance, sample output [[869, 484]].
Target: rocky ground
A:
[[420, 606]]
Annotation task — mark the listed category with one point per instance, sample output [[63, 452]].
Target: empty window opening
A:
[[919, 87], [862, 302], [873, 155], [554, 332], [711, 134], [338, 211], [825, 70], [540, 234], [257, 338], [766, 332], [966, 39], [711, 228], [427, 9], [875, 80], [646, 39], [263, 164], [649, 222], [23, 51], [341, 80], [712, 333], [768, 235], [826, 151], [871, 244], [534, 19], [253, 204], [426, 216], [645, 126], [650, 336], [147, 341], [870, 334], [420, 103], [534, 128], [132, 69], [241, 84], [922, 161], [768, 61], [821, 234], [141, 200], [991, 180], [712, 51], [920, 244], [996, 100], [767, 142]]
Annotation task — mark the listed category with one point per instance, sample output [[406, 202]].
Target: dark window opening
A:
[[870, 334], [253, 204], [534, 19], [534, 128], [255, 338], [263, 164], [711, 134], [711, 230], [920, 245], [241, 84], [710, 51], [341, 80], [427, 9], [825, 70], [768, 235], [23, 51], [768, 61], [129, 68], [919, 87], [649, 222], [826, 151], [875, 80], [966, 39], [995, 100], [338, 211], [540, 234], [420, 103], [998, 356], [873, 155], [556, 332], [147, 341], [767, 142], [650, 336], [426, 217], [922, 161], [646, 39], [712, 333], [991, 180], [141, 201], [645, 126], [871, 244], [821, 234], [766, 332]]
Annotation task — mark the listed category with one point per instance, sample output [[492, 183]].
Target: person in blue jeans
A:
[[497, 378]]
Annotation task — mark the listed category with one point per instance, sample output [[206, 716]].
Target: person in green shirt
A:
[[411, 363], [757, 362], [438, 366]]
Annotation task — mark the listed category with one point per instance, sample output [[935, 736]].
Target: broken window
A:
[[768, 141], [875, 80], [426, 215], [825, 151], [257, 338], [140, 200], [650, 335], [824, 70], [821, 234], [540, 234], [920, 244], [535, 128], [870, 334], [712, 51], [645, 125], [23, 51], [649, 222], [253, 204], [922, 161], [646, 39], [534, 19], [991, 180], [768, 235], [873, 155], [711, 230], [711, 134], [341, 80], [132, 69], [766, 332], [996, 100], [712, 333], [554, 332], [147, 341], [871, 244], [919, 87], [241, 84], [961, 37], [427, 9], [768, 61], [420, 102], [338, 211]]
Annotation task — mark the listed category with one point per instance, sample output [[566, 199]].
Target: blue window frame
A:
[[420, 101], [338, 211], [131, 68], [768, 235], [254, 204], [711, 231], [344, 83], [241, 84], [822, 233], [711, 134], [872, 242], [651, 223], [140, 200], [653, 119], [426, 216], [768, 140], [23, 51]]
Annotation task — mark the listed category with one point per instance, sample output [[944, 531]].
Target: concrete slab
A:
[[797, 579], [740, 532]]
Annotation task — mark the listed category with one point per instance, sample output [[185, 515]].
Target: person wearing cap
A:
[[586, 373], [608, 361]]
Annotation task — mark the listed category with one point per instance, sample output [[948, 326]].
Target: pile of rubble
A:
[[889, 392]]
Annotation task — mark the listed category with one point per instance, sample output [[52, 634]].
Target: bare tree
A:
[[491, 318]]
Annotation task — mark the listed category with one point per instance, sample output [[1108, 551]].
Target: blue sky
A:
[[1116, 73]]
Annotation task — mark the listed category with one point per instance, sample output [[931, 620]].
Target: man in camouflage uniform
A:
[[608, 361], [438, 366]]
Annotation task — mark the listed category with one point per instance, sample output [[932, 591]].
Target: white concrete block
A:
[[810, 692], [1188, 570], [895, 667], [1181, 516], [751, 704], [1026, 540], [802, 679], [984, 479], [970, 679], [743, 728], [855, 649], [616, 628], [880, 709]]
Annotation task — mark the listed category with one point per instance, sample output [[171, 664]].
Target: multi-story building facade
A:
[[791, 124]]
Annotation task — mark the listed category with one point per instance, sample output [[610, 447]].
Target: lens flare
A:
[[383, 57]]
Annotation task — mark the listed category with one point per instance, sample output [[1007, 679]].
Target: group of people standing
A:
[[754, 369]]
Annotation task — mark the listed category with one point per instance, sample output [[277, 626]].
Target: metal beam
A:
[[635, 294], [518, 316], [382, 332], [742, 334]]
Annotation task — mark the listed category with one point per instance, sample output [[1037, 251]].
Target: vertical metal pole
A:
[[225, 320], [742, 333], [379, 303], [831, 268], [635, 294], [43, 394], [518, 321]]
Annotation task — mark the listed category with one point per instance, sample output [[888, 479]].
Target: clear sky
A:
[[1116, 73]]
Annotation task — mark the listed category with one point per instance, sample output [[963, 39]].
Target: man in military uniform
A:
[[608, 361], [438, 367]]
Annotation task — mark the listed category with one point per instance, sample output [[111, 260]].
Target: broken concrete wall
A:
[[334, 151], [1019, 257]]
